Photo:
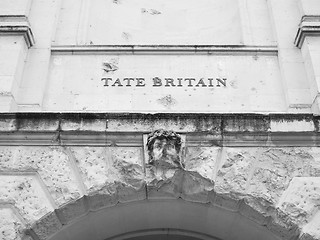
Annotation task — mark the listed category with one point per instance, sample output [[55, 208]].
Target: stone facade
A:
[[83, 84], [57, 168]]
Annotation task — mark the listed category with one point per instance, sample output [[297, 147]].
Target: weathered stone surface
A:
[[100, 200], [7, 124], [74, 124], [311, 230], [275, 187], [10, 226], [196, 188], [46, 226], [283, 226], [37, 124], [193, 181], [234, 171], [174, 123], [257, 209], [93, 166], [260, 176], [127, 163], [301, 200], [227, 201], [111, 171], [26, 194], [72, 210], [276, 167], [202, 160], [52, 164], [200, 168], [243, 123]]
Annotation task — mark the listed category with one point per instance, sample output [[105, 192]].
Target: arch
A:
[[165, 216]]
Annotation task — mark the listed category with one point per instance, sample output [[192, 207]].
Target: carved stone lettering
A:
[[164, 82]]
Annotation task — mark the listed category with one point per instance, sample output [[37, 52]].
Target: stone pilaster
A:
[[308, 39], [15, 39]]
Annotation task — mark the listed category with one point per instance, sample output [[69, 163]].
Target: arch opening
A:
[[155, 218]]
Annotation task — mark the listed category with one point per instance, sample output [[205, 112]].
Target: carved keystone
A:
[[164, 149]]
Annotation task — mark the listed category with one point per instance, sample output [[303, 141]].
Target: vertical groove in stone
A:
[[74, 167], [220, 156], [45, 190], [83, 22], [245, 21]]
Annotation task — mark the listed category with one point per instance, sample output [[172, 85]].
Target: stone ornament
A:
[[164, 149]]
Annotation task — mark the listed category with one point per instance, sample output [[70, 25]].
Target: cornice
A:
[[17, 25], [309, 26], [128, 129], [165, 49]]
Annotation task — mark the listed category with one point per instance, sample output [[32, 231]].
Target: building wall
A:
[[264, 49], [82, 84]]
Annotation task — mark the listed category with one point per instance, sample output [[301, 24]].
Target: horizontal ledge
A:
[[164, 49], [17, 25], [309, 26], [127, 129], [129, 139]]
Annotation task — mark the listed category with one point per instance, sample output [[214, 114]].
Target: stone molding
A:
[[127, 129], [17, 25], [309, 26], [164, 49]]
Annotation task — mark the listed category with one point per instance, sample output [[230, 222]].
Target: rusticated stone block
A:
[[200, 168], [26, 194], [128, 163], [276, 167], [311, 231], [52, 164], [47, 226], [93, 165], [301, 199], [10, 226], [111, 171], [234, 171], [196, 188], [202, 160]]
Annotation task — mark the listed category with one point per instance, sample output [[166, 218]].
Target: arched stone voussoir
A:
[[49, 226], [117, 192], [45, 227], [261, 211]]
